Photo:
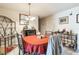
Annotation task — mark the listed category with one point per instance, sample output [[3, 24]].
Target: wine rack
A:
[[70, 41]]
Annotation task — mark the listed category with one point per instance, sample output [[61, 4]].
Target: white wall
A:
[[46, 24], [54, 22], [14, 15], [72, 25]]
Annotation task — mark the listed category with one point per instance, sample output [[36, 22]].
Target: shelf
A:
[[69, 41]]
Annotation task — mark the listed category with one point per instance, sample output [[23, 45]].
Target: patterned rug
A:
[[8, 49]]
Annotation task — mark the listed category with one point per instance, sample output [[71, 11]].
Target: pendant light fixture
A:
[[29, 14]]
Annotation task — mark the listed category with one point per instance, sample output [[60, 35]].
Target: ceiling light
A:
[[29, 17]]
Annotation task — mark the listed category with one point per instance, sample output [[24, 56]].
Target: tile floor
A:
[[66, 51]]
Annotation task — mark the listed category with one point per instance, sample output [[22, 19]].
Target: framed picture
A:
[[23, 19], [64, 20], [77, 18]]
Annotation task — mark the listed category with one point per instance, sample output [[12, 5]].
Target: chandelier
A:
[[29, 17]]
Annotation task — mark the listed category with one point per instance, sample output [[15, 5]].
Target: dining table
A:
[[35, 45]]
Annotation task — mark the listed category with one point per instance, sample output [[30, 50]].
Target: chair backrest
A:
[[20, 42]]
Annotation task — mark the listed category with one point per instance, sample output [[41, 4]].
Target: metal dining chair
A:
[[20, 44]]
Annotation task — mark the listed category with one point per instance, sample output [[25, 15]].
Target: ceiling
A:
[[39, 9]]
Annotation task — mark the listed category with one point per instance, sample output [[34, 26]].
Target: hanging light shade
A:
[[29, 15]]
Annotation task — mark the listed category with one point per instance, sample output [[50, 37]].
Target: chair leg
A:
[[19, 51], [23, 52]]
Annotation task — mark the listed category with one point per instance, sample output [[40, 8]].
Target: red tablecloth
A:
[[34, 45]]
